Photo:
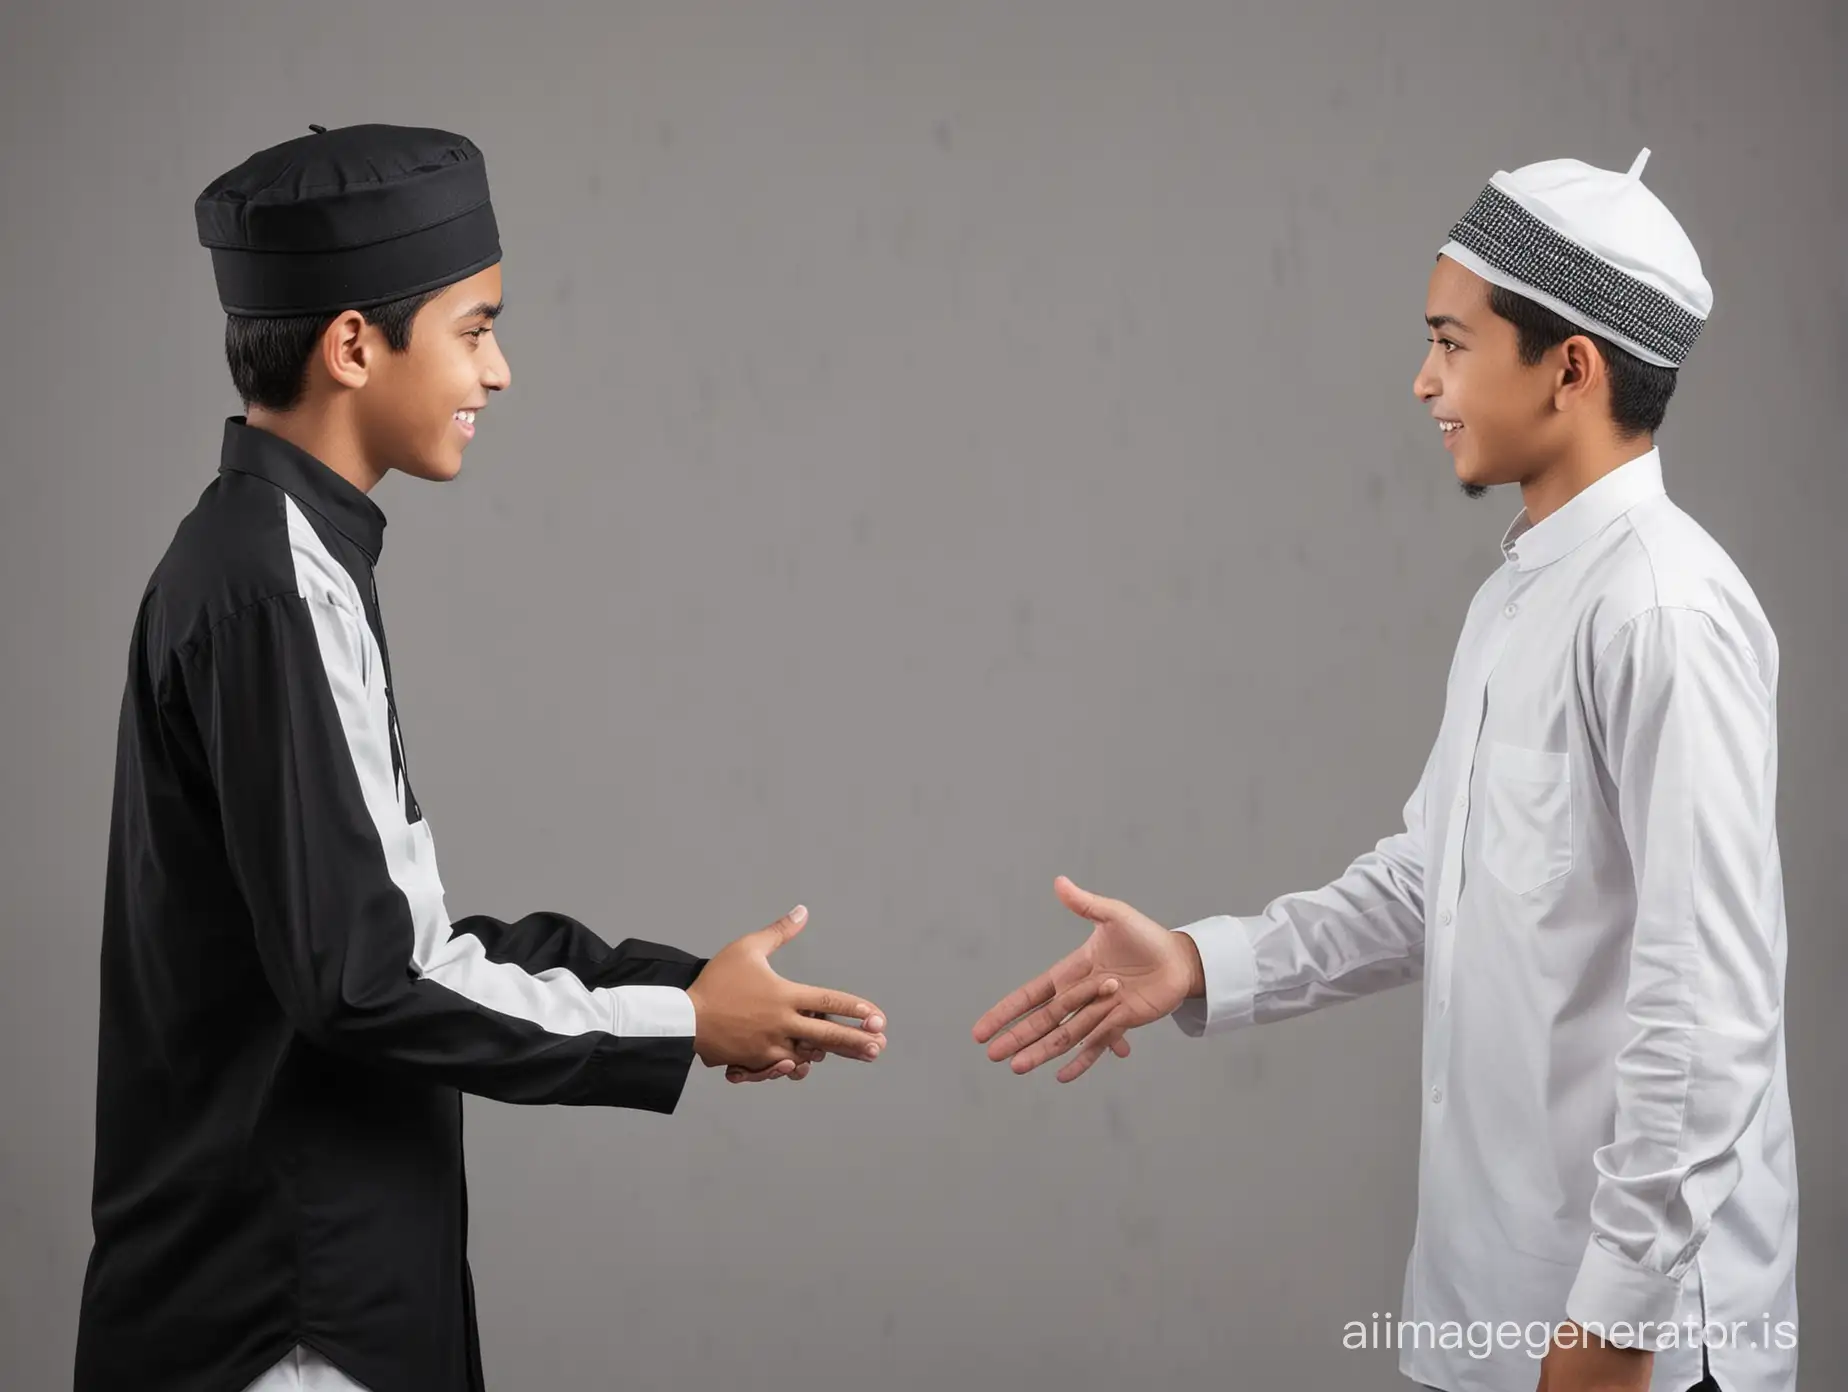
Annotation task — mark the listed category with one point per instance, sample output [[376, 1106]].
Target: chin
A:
[[435, 470], [1473, 475]]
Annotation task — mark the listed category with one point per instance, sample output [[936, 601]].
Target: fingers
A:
[[849, 1041], [807, 1054], [815, 1000], [780, 1069], [1065, 1035], [1036, 992], [1042, 989], [795, 1069], [1072, 968], [1032, 1028], [1102, 1040], [739, 1075], [1120, 1046], [794, 1072], [780, 932]]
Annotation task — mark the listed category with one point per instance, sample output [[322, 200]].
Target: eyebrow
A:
[[1446, 321], [484, 310]]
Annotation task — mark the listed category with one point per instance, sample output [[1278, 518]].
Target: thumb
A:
[[783, 929], [1081, 901]]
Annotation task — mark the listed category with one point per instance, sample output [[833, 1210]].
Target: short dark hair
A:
[[1639, 390], [269, 357]]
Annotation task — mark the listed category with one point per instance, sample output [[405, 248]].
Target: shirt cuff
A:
[[1614, 1297], [654, 1012], [1230, 965]]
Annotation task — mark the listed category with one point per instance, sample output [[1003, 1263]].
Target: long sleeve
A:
[[541, 941], [1360, 934], [1689, 730], [347, 907]]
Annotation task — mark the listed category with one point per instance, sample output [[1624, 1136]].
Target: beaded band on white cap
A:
[[1512, 241]]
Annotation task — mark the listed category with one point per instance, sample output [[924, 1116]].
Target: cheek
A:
[[437, 384], [1506, 405], [437, 400], [460, 382], [1488, 403]]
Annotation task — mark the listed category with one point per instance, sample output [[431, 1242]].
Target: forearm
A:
[[1362, 933]]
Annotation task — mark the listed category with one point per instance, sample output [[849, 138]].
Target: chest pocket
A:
[[1527, 816]]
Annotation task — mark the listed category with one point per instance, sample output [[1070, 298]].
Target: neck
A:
[[1557, 483], [326, 432]]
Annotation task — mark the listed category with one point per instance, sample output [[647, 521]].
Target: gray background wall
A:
[[950, 444]]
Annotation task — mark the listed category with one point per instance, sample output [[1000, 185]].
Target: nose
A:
[[1425, 385], [495, 374]]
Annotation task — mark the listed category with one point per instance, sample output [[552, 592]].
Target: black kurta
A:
[[288, 1014]]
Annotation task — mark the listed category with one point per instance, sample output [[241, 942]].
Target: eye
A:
[[1448, 345], [477, 333]]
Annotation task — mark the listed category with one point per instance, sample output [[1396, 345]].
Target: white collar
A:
[[1530, 545]]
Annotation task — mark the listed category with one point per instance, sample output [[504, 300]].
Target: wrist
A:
[[1190, 961]]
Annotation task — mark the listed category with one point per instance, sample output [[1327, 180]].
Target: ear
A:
[[346, 349], [1581, 374]]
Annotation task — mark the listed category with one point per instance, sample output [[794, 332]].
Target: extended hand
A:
[[759, 1026], [1129, 972]]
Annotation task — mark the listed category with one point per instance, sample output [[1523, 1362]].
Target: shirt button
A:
[[1462, 799], [1443, 1007], [1510, 610], [1437, 1094], [1444, 917]]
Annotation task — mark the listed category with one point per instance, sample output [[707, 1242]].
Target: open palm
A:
[[1129, 972]]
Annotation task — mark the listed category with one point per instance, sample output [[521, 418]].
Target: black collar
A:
[[253, 451]]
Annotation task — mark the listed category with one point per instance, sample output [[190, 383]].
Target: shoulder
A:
[[229, 555], [1660, 562]]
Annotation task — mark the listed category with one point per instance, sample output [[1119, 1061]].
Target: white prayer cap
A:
[[1593, 246]]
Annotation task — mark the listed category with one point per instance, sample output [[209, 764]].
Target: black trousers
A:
[[1706, 1383]]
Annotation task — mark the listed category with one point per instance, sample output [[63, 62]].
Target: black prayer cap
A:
[[347, 219]]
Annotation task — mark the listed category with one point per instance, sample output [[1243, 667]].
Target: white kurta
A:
[[1589, 886]]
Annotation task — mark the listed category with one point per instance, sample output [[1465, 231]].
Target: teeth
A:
[[466, 417], [1448, 426]]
